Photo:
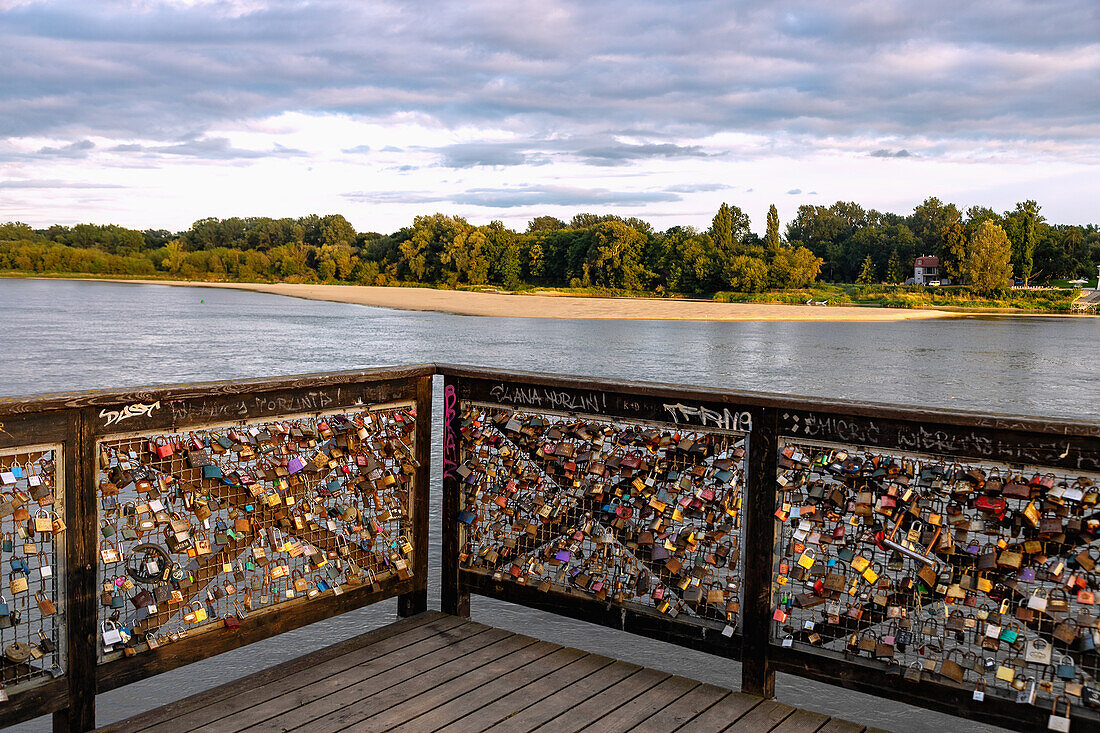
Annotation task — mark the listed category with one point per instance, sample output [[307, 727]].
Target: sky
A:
[[156, 113]]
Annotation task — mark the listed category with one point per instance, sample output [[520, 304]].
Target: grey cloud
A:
[[794, 191], [989, 71], [510, 197], [884, 153], [469, 155], [357, 150], [77, 149], [392, 149], [210, 148], [620, 154]]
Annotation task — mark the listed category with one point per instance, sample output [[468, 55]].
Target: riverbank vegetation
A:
[[591, 254]]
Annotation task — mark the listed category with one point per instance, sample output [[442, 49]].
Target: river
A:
[[62, 335]]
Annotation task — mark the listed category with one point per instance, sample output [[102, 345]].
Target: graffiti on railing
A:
[[631, 514], [32, 537], [974, 574], [199, 529]]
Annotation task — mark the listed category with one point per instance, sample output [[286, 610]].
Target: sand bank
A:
[[564, 306]]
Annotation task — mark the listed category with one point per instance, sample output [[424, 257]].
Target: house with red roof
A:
[[926, 269]]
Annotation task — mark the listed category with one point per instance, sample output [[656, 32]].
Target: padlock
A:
[[42, 523], [111, 636], [1058, 722]]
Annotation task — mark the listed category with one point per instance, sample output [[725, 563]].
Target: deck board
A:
[[585, 667], [441, 674]]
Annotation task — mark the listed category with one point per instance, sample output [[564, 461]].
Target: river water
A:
[[60, 335]]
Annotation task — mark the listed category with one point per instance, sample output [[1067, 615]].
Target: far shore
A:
[[466, 303]]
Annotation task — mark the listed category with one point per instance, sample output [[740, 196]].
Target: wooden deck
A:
[[435, 672]]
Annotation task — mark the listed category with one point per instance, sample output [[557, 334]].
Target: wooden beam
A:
[[757, 677]]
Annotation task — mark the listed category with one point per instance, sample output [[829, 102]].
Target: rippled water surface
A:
[[61, 335]]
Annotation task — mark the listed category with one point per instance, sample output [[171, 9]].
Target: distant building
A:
[[926, 269]]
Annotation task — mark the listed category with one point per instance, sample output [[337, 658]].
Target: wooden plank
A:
[[185, 391], [493, 691], [417, 601], [453, 597], [394, 697], [442, 695], [304, 708], [686, 708], [729, 709], [803, 721], [836, 725], [592, 710], [199, 709], [531, 717], [762, 718], [589, 667], [305, 686], [81, 588], [622, 400], [630, 715]]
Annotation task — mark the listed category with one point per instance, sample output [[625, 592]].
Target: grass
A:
[[884, 296], [914, 296]]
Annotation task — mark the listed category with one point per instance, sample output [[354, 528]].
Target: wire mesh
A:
[[32, 534], [973, 574], [638, 515], [199, 529]]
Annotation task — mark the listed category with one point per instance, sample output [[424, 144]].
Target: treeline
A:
[[839, 243]]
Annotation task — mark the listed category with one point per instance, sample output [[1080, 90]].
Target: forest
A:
[[842, 243]]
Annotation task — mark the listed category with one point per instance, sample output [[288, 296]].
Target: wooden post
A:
[[82, 520], [453, 599], [757, 676], [410, 604]]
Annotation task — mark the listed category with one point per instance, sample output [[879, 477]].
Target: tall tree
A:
[[895, 273], [989, 259], [771, 238], [928, 221], [952, 253], [867, 272], [1022, 229]]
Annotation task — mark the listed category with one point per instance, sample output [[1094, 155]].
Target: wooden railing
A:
[[903, 552], [911, 553], [200, 518]]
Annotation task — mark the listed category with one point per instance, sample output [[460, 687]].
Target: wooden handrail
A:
[[80, 420]]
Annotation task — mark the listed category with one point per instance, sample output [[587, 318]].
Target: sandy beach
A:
[[564, 306]]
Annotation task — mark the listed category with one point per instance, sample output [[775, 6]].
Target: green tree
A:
[[174, 256], [465, 254], [535, 261], [771, 238], [335, 230], [989, 259], [953, 252], [1021, 226], [895, 273], [793, 267], [929, 220], [728, 228], [614, 257], [430, 235], [545, 224], [867, 272], [748, 274]]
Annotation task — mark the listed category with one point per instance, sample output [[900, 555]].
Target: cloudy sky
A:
[[154, 113]]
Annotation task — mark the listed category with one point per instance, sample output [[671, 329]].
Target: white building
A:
[[926, 269]]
